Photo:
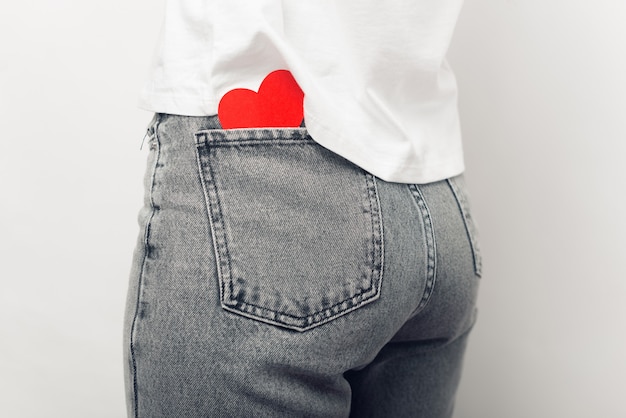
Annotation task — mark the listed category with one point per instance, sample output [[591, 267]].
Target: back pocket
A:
[[296, 229]]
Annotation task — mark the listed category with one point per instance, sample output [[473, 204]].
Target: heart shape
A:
[[278, 104]]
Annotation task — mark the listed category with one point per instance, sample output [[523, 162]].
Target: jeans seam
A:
[[431, 247], [461, 200], [146, 244], [377, 254]]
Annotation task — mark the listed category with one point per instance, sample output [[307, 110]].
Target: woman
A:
[[306, 246]]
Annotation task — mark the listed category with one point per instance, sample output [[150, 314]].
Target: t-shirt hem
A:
[[387, 169], [177, 105]]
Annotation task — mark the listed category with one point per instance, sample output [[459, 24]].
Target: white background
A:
[[543, 102]]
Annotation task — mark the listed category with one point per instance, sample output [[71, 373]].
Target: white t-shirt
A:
[[378, 90]]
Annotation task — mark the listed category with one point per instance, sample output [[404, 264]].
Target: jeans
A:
[[273, 278]]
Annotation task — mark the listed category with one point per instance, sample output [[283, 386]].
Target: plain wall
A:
[[543, 105]]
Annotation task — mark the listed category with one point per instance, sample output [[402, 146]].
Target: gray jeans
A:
[[273, 278]]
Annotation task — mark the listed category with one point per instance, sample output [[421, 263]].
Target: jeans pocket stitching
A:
[[468, 220], [229, 301]]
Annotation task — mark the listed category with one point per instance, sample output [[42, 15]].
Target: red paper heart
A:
[[278, 104]]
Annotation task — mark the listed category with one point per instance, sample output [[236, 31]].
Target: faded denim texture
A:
[[273, 278]]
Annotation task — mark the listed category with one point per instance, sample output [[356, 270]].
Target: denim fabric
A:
[[273, 278]]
